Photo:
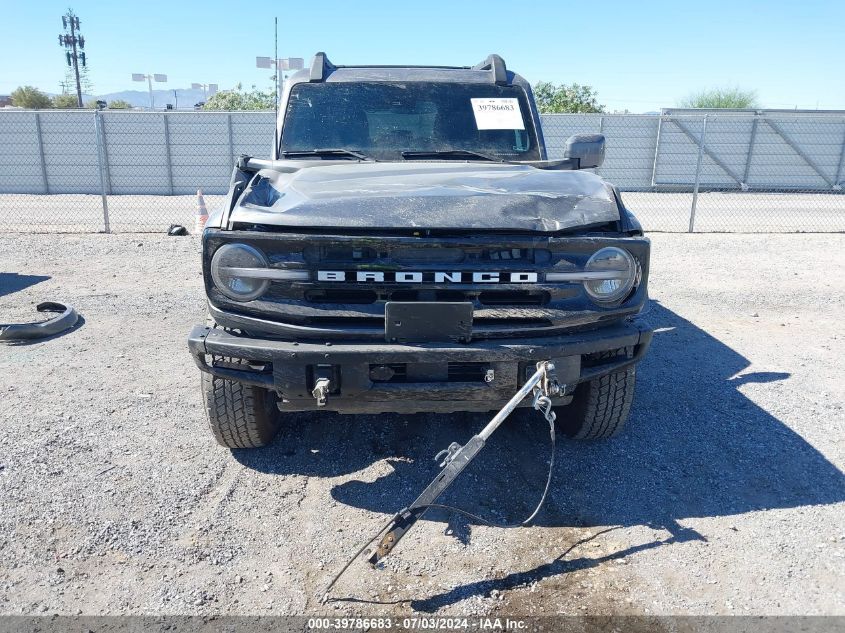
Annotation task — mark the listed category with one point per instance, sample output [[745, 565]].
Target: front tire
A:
[[240, 416], [599, 407]]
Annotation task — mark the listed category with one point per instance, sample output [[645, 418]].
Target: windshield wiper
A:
[[451, 153], [327, 152]]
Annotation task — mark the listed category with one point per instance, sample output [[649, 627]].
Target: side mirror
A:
[[587, 148]]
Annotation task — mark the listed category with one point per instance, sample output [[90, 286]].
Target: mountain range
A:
[[185, 98]]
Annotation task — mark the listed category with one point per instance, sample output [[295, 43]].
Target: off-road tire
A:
[[599, 407], [240, 416]]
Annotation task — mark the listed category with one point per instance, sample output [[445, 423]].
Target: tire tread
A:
[[240, 416], [601, 406]]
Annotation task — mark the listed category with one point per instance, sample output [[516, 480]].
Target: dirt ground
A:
[[725, 494]]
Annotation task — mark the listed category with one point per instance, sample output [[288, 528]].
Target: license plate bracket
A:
[[427, 322]]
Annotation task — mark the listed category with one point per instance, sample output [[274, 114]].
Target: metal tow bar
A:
[[456, 458]]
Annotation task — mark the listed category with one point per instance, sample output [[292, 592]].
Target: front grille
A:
[[355, 310], [351, 296], [315, 254], [486, 298], [426, 295], [512, 297]]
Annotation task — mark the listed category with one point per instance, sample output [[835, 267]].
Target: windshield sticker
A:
[[497, 114]]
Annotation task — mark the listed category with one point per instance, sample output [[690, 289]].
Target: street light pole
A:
[[280, 64], [286, 63], [149, 78], [207, 89]]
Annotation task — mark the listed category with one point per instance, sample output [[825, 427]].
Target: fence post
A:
[[656, 151], [167, 151], [838, 183], [98, 125], [744, 184], [105, 150], [697, 175], [231, 142], [41, 153]]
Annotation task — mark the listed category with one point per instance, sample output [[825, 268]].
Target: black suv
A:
[[410, 248]]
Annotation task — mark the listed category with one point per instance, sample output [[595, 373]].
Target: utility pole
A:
[[74, 44]]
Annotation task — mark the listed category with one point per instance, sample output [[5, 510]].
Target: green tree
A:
[[119, 104], [566, 98], [239, 99], [84, 79], [65, 101], [721, 98], [31, 98]]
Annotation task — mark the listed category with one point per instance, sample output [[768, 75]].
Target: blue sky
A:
[[638, 55]]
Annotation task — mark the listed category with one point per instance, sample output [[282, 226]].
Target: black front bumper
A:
[[291, 368]]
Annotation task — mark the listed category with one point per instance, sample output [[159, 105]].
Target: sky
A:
[[639, 56]]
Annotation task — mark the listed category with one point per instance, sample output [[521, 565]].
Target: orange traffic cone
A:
[[201, 216]]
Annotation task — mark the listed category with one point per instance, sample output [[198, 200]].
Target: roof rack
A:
[[321, 68], [496, 65]]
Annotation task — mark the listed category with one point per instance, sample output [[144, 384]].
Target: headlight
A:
[[611, 274], [231, 259]]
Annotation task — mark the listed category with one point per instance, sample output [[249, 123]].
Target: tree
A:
[[566, 98], [31, 98], [119, 104], [239, 99], [65, 101], [84, 80], [721, 98]]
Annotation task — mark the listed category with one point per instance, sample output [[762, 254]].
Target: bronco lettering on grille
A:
[[418, 277]]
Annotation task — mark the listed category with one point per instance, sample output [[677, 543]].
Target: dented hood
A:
[[426, 195]]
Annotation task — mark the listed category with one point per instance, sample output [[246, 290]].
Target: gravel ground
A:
[[731, 212], [725, 495]]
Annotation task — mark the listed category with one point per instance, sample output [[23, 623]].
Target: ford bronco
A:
[[409, 247]]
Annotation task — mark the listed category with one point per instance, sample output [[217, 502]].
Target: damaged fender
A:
[[65, 320]]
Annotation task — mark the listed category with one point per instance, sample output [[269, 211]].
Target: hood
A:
[[431, 195]]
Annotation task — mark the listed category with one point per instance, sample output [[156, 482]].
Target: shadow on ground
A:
[[13, 282], [695, 446]]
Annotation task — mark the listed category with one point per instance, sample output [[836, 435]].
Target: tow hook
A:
[[321, 391]]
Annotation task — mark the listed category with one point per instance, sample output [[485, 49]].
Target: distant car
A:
[[198, 106], [410, 248]]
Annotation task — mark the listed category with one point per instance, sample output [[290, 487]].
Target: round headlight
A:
[[613, 273], [225, 265]]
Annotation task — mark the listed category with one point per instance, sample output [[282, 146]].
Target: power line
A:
[[74, 43]]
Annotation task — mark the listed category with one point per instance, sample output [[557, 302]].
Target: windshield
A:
[[384, 120]]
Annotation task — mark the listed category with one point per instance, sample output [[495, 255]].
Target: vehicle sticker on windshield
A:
[[497, 114]]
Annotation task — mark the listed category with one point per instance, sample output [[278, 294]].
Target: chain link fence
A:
[[748, 171], [74, 171]]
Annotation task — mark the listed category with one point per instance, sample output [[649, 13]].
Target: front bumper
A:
[[292, 368]]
